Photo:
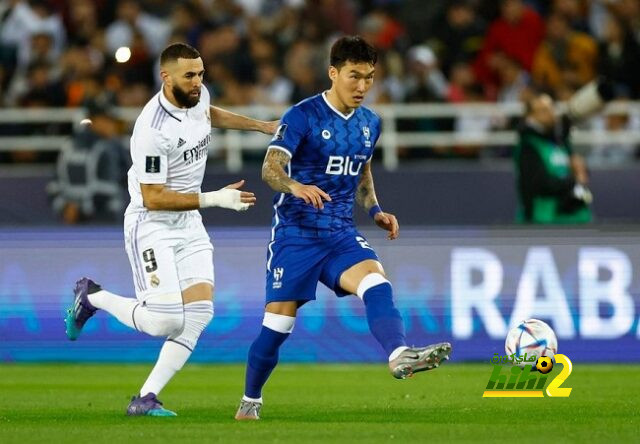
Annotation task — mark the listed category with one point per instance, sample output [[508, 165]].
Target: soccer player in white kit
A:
[[169, 249]]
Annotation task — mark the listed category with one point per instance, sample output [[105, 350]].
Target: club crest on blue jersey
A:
[[367, 135], [326, 134], [278, 273]]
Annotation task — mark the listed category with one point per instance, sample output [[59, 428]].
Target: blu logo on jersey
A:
[[343, 166]]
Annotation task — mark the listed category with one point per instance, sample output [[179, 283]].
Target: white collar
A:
[[344, 116]]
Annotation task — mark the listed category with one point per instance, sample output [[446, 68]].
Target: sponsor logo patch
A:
[[279, 135]]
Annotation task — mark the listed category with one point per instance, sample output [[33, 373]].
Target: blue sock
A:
[[263, 357], [383, 317]]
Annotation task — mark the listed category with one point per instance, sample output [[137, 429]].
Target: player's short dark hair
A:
[[352, 49], [177, 51]]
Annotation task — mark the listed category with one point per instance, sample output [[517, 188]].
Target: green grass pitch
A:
[[48, 403]]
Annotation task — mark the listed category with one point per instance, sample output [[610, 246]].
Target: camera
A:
[[589, 99]]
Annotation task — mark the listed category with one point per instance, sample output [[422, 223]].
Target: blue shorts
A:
[[295, 265]]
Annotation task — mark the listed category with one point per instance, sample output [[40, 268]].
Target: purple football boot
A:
[[147, 405], [82, 309]]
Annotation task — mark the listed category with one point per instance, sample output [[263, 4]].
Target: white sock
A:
[[246, 398], [161, 316], [120, 307], [394, 354], [171, 359], [177, 349]]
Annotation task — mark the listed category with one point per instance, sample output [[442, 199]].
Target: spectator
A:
[[42, 89], [24, 20], [514, 81], [300, 61], [462, 80], [388, 86], [40, 53], [575, 12], [629, 12], [382, 30], [470, 127], [619, 58], [566, 59], [517, 33], [185, 20], [272, 88], [459, 36], [615, 152], [131, 19], [82, 21], [425, 82]]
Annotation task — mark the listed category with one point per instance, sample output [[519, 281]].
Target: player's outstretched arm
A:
[[157, 197], [366, 198], [221, 118], [273, 174]]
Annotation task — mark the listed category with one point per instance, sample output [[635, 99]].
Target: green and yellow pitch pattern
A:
[[314, 403]]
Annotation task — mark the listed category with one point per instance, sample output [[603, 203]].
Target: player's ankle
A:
[[395, 353]]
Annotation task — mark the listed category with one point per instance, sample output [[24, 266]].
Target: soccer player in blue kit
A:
[[319, 162]]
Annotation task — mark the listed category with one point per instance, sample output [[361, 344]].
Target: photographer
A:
[[552, 180]]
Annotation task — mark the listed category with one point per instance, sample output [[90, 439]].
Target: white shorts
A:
[[168, 251]]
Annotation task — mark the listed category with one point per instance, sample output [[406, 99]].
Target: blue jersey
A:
[[328, 149]]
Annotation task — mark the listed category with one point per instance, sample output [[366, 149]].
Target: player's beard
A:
[[185, 100]]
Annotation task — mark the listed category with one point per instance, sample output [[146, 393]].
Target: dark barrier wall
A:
[[464, 285], [458, 194]]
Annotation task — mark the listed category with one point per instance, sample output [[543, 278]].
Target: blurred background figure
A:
[[459, 35], [441, 58], [551, 179], [516, 34], [619, 58], [91, 172], [617, 152], [566, 59], [133, 21]]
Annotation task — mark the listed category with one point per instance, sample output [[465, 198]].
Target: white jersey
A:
[[169, 146]]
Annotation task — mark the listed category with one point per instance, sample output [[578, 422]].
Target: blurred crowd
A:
[[62, 52], [66, 53], [98, 54]]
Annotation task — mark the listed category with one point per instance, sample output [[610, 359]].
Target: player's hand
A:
[[229, 197], [270, 127], [241, 200], [311, 194], [387, 221]]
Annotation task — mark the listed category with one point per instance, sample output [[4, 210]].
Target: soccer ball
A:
[[532, 337]]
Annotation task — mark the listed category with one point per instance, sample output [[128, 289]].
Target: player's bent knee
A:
[[206, 316], [369, 281], [278, 322], [197, 315], [161, 315], [164, 324]]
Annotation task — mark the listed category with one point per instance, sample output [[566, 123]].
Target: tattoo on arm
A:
[[273, 172], [365, 193]]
